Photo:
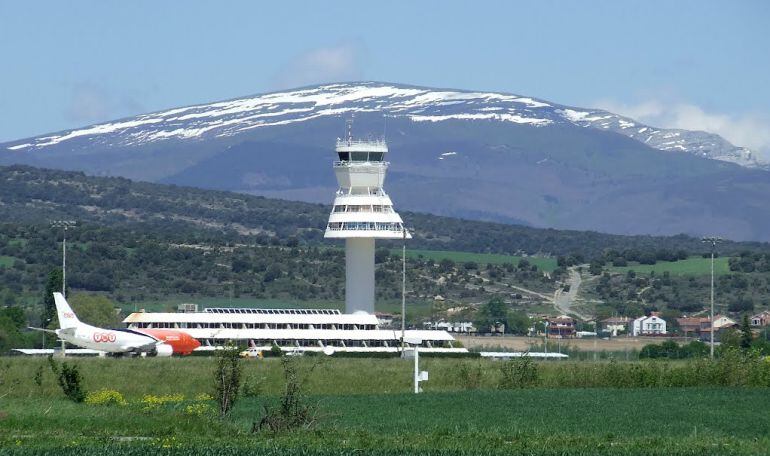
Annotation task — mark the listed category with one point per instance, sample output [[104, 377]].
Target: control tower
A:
[[362, 212]]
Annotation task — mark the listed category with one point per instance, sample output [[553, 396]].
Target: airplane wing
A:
[[42, 329]]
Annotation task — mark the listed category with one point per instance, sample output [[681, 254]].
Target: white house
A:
[[648, 326]]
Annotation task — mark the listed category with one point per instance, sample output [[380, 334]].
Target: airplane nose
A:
[[194, 342]]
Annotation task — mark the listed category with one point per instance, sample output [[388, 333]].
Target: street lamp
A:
[[403, 286], [65, 224], [713, 240]]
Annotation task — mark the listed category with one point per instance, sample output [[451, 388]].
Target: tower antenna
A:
[[349, 125]]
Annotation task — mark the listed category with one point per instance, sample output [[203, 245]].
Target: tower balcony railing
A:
[[349, 163], [362, 142], [361, 191], [365, 226]]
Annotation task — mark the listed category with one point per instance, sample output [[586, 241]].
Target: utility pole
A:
[[64, 224], [403, 289], [713, 241]]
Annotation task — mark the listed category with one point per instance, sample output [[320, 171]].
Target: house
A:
[[721, 324], [648, 326], [562, 326], [465, 327], [693, 325], [614, 325], [761, 319]]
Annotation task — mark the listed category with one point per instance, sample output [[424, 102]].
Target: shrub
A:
[[200, 407], [470, 376], [227, 378], [293, 411], [151, 402], [105, 397], [69, 379], [518, 373], [252, 387]]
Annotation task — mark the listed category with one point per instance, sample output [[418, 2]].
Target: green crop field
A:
[[690, 266], [363, 406], [6, 261], [545, 264]]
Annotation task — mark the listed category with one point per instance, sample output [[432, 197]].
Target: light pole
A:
[[65, 224], [713, 241], [403, 289]]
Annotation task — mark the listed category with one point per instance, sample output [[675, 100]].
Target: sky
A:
[[682, 64]]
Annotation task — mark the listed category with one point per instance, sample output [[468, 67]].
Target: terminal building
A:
[[291, 330], [362, 212]]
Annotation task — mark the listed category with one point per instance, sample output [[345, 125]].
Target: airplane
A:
[[152, 342]]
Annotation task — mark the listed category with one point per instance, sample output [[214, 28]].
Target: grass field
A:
[[690, 266], [566, 422], [545, 264], [363, 406], [6, 261]]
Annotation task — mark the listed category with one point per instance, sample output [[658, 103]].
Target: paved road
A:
[[563, 301]]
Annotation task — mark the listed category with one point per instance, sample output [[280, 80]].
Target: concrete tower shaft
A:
[[362, 212]]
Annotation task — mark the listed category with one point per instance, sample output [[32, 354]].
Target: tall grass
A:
[[192, 376]]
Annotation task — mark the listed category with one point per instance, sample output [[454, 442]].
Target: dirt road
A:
[[564, 300]]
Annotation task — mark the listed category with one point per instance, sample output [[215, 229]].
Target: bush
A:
[[200, 407], [252, 387], [227, 378], [151, 402], [69, 379], [293, 411], [518, 373], [105, 397], [470, 376]]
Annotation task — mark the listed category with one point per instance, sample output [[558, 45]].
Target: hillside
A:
[[34, 196], [475, 155], [153, 246]]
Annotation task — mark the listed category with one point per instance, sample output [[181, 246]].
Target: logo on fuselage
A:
[[101, 337]]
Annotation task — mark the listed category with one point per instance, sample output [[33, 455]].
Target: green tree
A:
[[11, 322], [491, 314], [53, 285], [517, 322], [95, 310], [746, 335]]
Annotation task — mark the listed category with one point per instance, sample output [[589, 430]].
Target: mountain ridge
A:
[[482, 155], [697, 142]]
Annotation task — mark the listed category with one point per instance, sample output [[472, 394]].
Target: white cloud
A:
[[341, 62], [747, 130]]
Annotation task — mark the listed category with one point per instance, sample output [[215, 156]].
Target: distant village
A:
[[566, 327]]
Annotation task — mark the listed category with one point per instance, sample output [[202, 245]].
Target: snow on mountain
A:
[[229, 118]]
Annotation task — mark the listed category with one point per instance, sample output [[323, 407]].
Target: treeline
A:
[[33, 195]]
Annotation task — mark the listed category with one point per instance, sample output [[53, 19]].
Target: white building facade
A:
[[648, 326], [291, 330]]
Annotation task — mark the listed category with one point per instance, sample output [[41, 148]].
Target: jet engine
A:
[[162, 350]]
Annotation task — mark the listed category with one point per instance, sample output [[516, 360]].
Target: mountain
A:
[[481, 155]]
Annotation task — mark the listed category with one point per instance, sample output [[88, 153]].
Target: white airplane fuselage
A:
[[107, 340], [84, 335]]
